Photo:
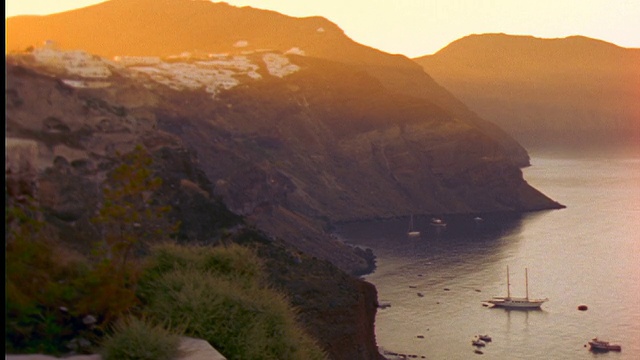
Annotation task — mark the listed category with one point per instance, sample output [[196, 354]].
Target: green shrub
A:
[[217, 295], [37, 284], [235, 262], [40, 280], [136, 339]]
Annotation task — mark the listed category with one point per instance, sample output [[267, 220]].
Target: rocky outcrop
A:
[[289, 143], [290, 154], [356, 151], [20, 169], [218, 28], [336, 308], [65, 172], [293, 154]]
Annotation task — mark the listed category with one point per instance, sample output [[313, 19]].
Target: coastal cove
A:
[[432, 286]]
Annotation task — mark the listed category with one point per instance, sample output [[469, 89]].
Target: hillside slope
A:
[[299, 144], [540, 90], [292, 142], [63, 141], [171, 27]]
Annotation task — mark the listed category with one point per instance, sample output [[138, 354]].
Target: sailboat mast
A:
[[508, 284], [526, 281]]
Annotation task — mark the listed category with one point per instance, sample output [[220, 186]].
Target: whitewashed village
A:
[[186, 71]]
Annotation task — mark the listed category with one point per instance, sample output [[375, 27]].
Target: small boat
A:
[[412, 232], [478, 343], [600, 345], [485, 338], [438, 222], [510, 302], [384, 305]]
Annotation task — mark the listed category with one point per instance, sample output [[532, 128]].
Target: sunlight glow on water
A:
[[588, 253]]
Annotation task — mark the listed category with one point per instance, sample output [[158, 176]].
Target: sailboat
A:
[[510, 302], [412, 232], [437, 222]]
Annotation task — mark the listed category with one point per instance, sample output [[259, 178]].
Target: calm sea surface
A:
[[588, 253]]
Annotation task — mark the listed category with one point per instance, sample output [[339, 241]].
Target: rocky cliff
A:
[[299, 144], [540, 90], [61, 143], [292, 139], [172, 27]]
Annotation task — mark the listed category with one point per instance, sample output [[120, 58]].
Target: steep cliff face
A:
[[172, 27], [60, 144], [360, 151], [337, 309], [293, 143], [540, 90]]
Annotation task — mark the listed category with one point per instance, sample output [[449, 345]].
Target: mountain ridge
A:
[[158, 34], [220, 24], [292, 142], [538, 89], [279, 147], [313, 132]]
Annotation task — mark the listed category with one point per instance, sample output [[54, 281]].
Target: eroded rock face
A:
[[328, 143], [291, 154], [354, 152], [20, 169], [290, 142], [336, 308], [65, 175], [216, 29]]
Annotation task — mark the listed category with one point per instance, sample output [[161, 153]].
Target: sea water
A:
[[587, 254]]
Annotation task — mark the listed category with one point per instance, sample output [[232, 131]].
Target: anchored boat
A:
[[412, 232], [600, 345], [437, 222], [510, 302]]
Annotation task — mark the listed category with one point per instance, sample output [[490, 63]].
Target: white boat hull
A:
[[517, 303], [510, 302]]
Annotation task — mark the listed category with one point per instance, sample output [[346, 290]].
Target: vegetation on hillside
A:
[[39, 286], [137, 338], [119, 296], [220, 295]]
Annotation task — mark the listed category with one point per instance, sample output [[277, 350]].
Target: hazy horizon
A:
[[415, 28]]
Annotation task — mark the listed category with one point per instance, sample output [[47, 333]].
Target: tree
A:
[[49, 298], [129, 216], [128, 219]]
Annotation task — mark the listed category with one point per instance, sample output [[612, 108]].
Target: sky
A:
[[421, 27]]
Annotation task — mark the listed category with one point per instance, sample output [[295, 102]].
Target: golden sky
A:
[[421, 27]]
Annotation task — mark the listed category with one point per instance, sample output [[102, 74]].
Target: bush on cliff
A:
[[49, 293], [219, 294], [139, 339], [40, 284]]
